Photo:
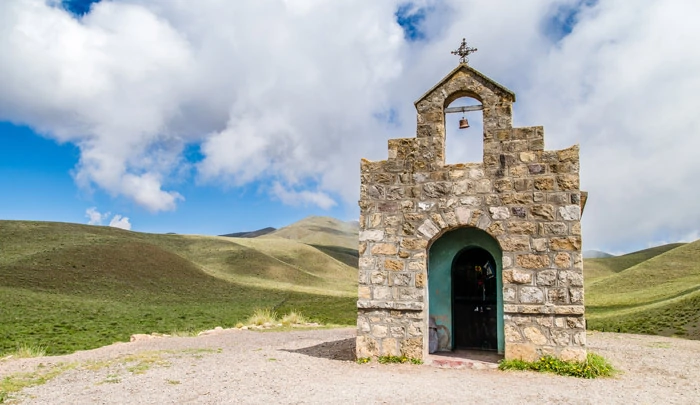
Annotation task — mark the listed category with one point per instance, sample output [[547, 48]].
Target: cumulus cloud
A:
[[97, 218], [120, 222], [303, 197], [290, 94]]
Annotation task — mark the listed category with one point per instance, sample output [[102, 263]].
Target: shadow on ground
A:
[[343, 350]]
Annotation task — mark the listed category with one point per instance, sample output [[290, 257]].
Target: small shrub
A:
[[262, 316], [398, 359], [594, 366], [363, 360], [24, 351], [293, 318], [239, 325]]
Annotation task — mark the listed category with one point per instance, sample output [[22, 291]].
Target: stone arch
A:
[[442, 251]]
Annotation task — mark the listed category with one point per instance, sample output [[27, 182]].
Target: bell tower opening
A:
[[464, 144]]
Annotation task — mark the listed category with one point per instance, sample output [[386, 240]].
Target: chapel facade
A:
[[480, 255]]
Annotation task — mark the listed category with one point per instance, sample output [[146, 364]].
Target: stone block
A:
[[509, 294], [379, 331], [554, 228], [390, 347], [561, 338], [521, 351], [546, 278], [378, 277], [562, 260], [531, 295], [397, 332], [528, 157], [496, 229], [388, 249], [512, 334], [535, 335], [416, 265], [463, 215], [557, 296], [364, 292], [573, 354], [544, 183], [420, 280], [568, 182], [394, 265], [575, 323], [571, 278], [517, 276], [507, 261], [401, 279], [463, 187], [520, 212], [428, 228], [412, 348], [371, 235], [542, 211], [414, 244], [366, 346], [436, 189], [381, 293], [522, 228], [514, 243], [569, 243], [367, 263], [539, 245], [570, 212], [576, 295], [471, 201], [362, 325], [530, 261], [498, 213]]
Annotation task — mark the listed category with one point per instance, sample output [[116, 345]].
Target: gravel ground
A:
[[315, 366]]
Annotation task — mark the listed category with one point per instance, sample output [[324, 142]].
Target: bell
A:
[[463, 123]]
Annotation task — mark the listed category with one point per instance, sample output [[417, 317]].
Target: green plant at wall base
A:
[[363, 360], [398, 359], [594, 366]]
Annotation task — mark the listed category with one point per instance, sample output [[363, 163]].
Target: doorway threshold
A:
[[470, 359]]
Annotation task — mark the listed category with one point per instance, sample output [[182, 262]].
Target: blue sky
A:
[[174, 118]]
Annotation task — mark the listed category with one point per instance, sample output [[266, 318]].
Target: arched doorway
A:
[[474, 300], [459, 289]]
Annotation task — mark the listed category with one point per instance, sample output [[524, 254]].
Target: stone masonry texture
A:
[[524, 196]]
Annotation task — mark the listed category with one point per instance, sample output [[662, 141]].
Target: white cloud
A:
[[286, 93], [95, 217], [303, 197], [120, 222]]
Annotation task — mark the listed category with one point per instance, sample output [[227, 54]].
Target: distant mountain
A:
[[595, 254], [323, 231], [253, 234]]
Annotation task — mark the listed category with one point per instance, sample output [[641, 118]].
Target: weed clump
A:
[[262, 316], [594, 366], [390, 360], [294, 318]]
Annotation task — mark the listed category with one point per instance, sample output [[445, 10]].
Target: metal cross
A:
[[463, 51]]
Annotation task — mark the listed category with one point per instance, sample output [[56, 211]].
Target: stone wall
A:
[[525, 197]]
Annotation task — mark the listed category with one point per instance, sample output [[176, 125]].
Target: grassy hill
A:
[[320, 231], [651, 291], [70, 287]]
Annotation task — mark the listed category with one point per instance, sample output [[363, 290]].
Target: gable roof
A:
[[470, 70]]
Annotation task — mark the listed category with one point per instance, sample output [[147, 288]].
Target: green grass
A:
[[324, 231], [598, 268], [659, 295], [593, 367], [70, 287]]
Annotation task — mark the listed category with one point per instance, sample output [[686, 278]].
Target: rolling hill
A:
[[321, 231], [70, 286], [654, 291]]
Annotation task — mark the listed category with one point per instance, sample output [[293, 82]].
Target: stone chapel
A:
[[483, 256]]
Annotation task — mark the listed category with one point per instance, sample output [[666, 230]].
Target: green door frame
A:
[[441, 255]]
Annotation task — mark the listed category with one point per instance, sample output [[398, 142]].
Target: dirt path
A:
[[314, 367]]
